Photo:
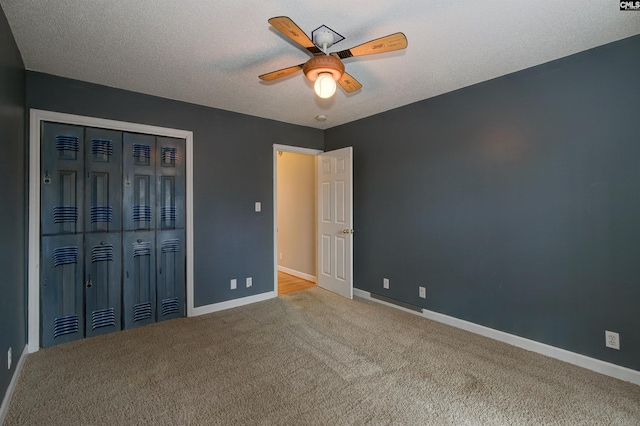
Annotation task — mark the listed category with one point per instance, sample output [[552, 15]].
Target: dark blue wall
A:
[[516, 202], [12, 194], [233, 168]]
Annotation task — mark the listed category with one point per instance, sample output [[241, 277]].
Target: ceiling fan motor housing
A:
[[323, 38], [323, 63]]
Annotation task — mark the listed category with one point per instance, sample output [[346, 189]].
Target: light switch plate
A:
[[258, 206]]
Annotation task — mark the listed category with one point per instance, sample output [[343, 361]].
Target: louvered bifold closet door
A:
[[171, 274], [103, 277], [103, 231], [139, 182], [170, 220], [170, 172], [103, 188], [61, 289], [61, 266], [139, 281], [113, 238], [62, 184], [139, 247]]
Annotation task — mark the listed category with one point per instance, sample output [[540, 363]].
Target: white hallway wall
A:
[[296, 213]]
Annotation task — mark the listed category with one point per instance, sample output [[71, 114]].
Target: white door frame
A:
[[297, 150], [36, 118]]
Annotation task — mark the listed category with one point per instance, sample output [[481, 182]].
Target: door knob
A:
[[348, 231]]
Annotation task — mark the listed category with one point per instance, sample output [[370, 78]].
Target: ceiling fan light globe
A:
[[325, 85]]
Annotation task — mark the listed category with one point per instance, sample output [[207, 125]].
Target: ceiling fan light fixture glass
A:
[[325, 85]]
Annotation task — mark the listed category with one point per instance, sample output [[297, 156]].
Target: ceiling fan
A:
[[325, 69]]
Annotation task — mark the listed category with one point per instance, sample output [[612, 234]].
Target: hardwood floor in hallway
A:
[[288, 283]]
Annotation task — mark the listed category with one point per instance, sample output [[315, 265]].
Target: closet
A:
[[112, 231]]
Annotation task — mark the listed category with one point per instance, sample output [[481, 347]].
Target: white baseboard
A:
[[216, 307], [583, 361], [297, 274], [4, 408]]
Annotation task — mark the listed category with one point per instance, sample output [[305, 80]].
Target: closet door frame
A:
[[36, 117]]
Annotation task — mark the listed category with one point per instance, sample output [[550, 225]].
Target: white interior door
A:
[[335, 221]]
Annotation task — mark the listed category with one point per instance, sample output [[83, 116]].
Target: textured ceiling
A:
[[210, 52]]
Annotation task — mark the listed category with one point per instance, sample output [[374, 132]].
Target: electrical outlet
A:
[[422, 292], [385, 283], [234, 284], [9, 359], [280, 256], [612, 339], [249, 282]]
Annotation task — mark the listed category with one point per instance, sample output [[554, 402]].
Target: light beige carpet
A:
[[310, 358]]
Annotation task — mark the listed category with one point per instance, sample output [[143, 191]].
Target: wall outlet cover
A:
[[385, 283], [612, 339], [422, 292], [9, 359], [234, 284], [249, 282]]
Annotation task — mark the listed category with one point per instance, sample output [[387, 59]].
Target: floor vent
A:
[[396, 302]]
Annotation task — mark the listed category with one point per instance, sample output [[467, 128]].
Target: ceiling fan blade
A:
[[348, 83], [287, 27], [280, 73], [389, 43]]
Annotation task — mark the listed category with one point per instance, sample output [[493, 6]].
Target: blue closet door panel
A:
[[103, 283], [62, 182], [171, 277], [139, 278], [103, 187], [139, 188], [61, 289], [170, 178], [113, 239]]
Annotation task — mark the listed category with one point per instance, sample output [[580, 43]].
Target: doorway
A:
[[333, 217], [294, 218]]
